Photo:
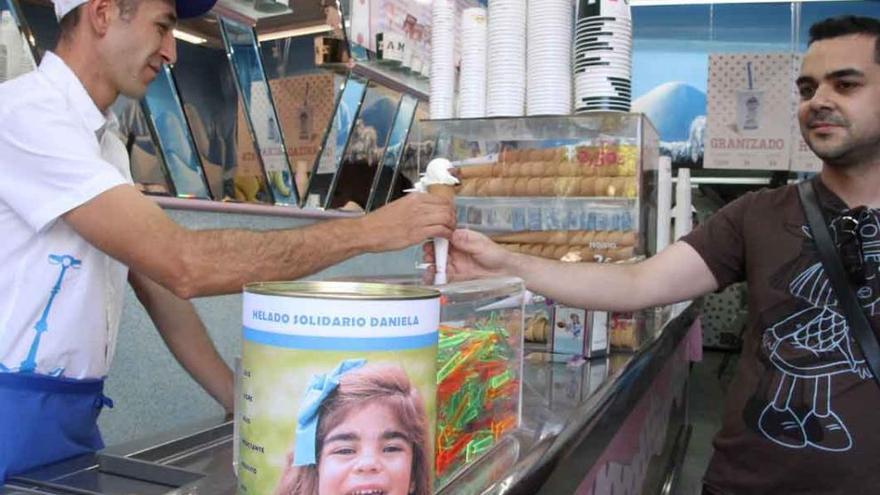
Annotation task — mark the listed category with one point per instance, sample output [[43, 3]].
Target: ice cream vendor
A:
[[74, 230]]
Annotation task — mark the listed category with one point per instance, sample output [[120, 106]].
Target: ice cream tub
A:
[[337, 389]]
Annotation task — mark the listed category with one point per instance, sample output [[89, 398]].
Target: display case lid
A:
[[360, 290], [616, 124], [494, 289]]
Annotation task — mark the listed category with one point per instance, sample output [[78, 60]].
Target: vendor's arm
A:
[[186, 338], [52, 169], [676, 274], [134, 230]]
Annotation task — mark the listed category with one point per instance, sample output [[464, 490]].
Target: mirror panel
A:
[[253, 88], [165, 113], [148, 169], [305, 99], [366, 145], [348, 103], [397, 139]]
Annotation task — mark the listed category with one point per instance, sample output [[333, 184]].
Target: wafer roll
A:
[[566, 186], [508, 185], [482, 187], [548, 185], [496, 187], [602, 184], [586, 186], [468, 187], [512, 169], [481, 170], [534, 186]]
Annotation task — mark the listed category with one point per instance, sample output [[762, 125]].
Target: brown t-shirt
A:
[[802, 415]]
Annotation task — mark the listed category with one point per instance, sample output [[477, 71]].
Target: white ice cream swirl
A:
[[436, 173]]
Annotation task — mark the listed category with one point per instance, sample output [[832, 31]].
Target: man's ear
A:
[[99, 14]]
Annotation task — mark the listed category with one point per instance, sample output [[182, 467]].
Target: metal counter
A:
[[570, 416]]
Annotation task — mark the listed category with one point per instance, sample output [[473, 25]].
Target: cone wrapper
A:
[[441, 245], [441, 255]]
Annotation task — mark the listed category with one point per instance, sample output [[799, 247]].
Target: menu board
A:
[[750, 114]]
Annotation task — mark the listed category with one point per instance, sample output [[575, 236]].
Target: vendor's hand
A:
[[471, 255], [408, 221]]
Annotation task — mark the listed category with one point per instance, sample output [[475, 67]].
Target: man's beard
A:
[[838, 155]]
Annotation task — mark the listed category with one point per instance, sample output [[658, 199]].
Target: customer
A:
[[73, 228], [801, 416]]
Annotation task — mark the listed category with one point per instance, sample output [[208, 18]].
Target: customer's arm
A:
[[186, 338], [133, 229], [676, 274]]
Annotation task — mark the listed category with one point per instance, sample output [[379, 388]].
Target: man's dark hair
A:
[[846, 25]]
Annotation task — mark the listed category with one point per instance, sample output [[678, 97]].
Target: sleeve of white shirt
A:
[[50, 163]]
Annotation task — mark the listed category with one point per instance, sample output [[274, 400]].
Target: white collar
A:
[[66, 81]]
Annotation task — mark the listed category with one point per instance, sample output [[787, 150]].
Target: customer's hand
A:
[[471, 255], [408, 221]]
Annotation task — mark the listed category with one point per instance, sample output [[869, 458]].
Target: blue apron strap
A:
[[102, 401], [53, 419]]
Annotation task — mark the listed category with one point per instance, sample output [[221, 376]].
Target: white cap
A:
[[62, 7], [185, 8]]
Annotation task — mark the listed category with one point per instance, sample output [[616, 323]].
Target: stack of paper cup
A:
[[549, 57], [506, 89], [603, 56], [472, 85], [443, 59]]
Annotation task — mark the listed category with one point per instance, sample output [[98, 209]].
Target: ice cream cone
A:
[[442, 190], [468, 187], [438, 181]]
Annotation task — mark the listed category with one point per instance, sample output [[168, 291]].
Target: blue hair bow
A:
[[320, 387]]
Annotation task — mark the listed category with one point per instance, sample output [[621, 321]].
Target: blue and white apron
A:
[[45, 419]]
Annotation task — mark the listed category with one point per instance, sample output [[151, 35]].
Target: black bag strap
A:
[[859, 326]]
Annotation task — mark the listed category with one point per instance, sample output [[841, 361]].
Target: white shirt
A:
[[57, 151]]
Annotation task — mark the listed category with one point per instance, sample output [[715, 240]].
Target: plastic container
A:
[[479, 368]]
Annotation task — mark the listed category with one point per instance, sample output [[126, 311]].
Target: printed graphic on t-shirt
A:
[[809, 348], [29, 365]]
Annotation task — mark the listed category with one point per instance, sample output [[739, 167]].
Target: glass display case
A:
[[479, 369], [579, 188]]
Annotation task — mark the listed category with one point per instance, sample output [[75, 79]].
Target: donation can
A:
[[337, 388]]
